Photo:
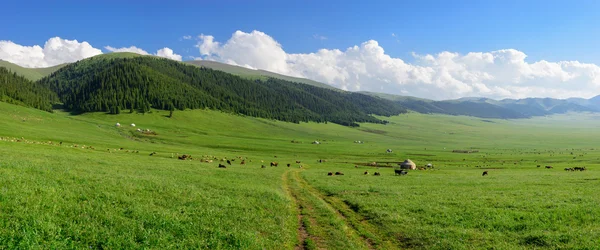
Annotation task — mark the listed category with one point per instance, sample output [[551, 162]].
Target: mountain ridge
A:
[[471, 106]]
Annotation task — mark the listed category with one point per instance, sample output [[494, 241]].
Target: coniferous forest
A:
[[139, 84], [16, 89]]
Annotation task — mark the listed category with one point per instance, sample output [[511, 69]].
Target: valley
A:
[[66, 196]]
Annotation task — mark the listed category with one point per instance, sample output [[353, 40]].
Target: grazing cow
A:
[[539, 166], [339, 173], [288, 165], [243, 162], [376, 174], [570, 169], [153, 153], [579, 168], [222, 166], [484, 173], [400, 172], [355, 166], [366, 173], [274, 164], [262, 166], [330, 174], [298, 162], [229, 162], [548, 167]]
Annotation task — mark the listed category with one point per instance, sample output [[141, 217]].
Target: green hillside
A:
[[32, 74], [255, 74], [112, 83], [16, 89]]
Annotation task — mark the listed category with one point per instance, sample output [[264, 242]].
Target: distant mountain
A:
[[32, 74], [379, 104], [255, 74], [119, 82], [489, 108]]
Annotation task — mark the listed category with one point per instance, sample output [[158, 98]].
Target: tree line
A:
[[18, 90], [140, 84]]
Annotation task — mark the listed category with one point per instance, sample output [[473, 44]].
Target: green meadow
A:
[[102, 189]]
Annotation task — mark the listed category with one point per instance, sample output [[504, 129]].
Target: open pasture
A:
[[101, 188]]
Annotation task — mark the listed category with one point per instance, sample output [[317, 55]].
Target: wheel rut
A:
[[318, 212], [302, 234]]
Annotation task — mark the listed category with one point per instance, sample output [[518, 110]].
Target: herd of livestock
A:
[[210, 159]]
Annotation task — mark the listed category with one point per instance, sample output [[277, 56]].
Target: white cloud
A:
[[495, 74], [132, 49], [168, 53], [186, 37], [55, 51], [164, 52], [319, 37]]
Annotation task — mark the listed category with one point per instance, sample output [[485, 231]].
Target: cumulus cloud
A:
[[55, 51], [445, 75], [164, 52], [168, 53], [132, 49]]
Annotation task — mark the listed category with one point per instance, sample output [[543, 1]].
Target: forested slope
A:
[[141, 83]]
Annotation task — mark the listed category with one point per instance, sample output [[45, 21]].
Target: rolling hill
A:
[[468, 106], [110, 83], [489, 108], [18, 90], [32, 74]]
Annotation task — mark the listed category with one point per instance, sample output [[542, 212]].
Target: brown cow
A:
[[274, 164], [298, 162]]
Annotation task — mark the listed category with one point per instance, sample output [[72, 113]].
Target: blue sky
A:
[[549, 30], [422, 48]]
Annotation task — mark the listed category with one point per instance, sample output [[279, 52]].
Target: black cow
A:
[[484, 173], [400, 172]]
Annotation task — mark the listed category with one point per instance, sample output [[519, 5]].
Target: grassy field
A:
[[101, 188]]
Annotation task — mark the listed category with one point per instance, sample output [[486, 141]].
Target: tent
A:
[[408, 164]]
